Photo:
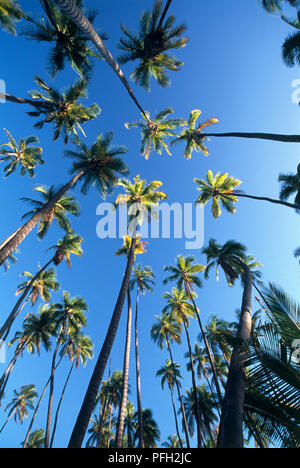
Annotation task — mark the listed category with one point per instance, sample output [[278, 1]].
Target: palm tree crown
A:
[[21, 154], [150, 47], [9, 13], [290, 185]]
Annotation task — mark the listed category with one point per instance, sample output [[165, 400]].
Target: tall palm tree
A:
[[231, 257], [98, 166], [189, 135], [69, 42], [79, 349], [10, 12], [185, 273], [69, 244], [164, 332], [181, 309], [70, 318], [125, 249], [221, 188], [154, 132], [129, 423], [142, 278], [151, 45], [21, 154], [290, 185], [18, 407], [139, 197], [76, 15], [167, 374]]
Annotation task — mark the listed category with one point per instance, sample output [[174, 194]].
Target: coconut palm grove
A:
[[150, 199]]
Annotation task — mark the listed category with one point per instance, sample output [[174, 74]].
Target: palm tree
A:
[[143, 280], [125, 249], [172, 443], [97, 166], [129, 423], [70, 318], [69, 244], [67, 204], [181, 309], [18, 407], [21, 154], [221, 188], [291, 46], [9, 13], [69, 43], [290, 185], [231, 257], [189, 135], [151, 45], [168, 373], [150, 429], [297, 253], [78, 18], [164, 332], [36, 440], [79, 348], [139, 197], [185, 273], [154, 132], [11, 260]]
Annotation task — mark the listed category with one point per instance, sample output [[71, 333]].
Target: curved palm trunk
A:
[[75, 14], [186, 431], [231, 425], [271, 200], [175, 416], [17, 308], [14, 241], [207, 347], [17, 100], [122, 410], [197, 410], [164, 14], [50, 403], [60, 403], [88, 404], [138, 379], [257, 136]]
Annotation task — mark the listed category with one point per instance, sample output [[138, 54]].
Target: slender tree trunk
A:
[[138, 378], [50, 403], [231, 425], [17, 100], [16, 310], [60, 403], [75, 14], [207, 347], [186, 431], [197, 411], [270, 200], [109, 427], [164, 14], [5, 376], [23, 232], [175, 416], [88, 404], [122, 409], [258, 136]]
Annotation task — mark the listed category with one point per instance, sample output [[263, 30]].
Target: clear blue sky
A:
[[233, 70]]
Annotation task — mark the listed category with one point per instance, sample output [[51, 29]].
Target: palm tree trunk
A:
[[50, 403], [258, 136], [88, 404], [175, 416], [122, 410], [186, 431], [197, 410], [20, 235], [17, 308], [75, 14], [231, 425], [164, 14], [207, 347], [5, 376], [17, 100], [270, 200], [60, 403], [138, 378]]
